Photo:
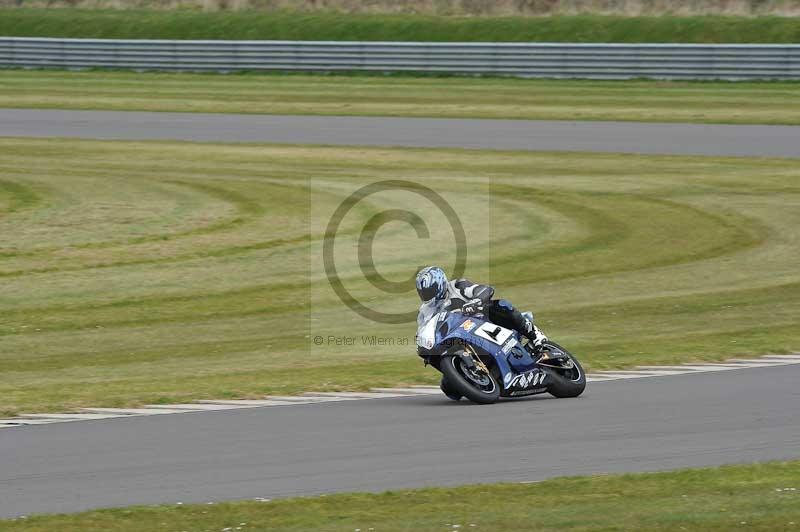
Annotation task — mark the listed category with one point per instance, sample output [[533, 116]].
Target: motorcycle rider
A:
[[434, 289]]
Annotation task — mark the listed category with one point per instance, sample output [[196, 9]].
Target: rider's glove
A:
[[473, 306]]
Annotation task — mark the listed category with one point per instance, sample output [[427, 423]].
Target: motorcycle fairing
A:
[[454, 329]]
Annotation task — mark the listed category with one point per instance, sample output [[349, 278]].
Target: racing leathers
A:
[[476, 299]]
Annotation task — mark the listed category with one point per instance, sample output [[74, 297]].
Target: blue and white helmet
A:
[[431, 283]]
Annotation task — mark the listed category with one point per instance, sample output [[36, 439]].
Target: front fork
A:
[[472, 360]]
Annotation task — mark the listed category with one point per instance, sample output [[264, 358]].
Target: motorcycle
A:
[[483, 361]]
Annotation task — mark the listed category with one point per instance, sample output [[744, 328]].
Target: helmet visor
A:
[[428, 293]]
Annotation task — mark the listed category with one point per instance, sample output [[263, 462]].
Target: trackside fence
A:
[[535, 60]]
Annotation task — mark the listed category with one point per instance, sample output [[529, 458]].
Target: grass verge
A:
[[736, 103], [743, 497], [331, 26], [447, 7], [141, 272]]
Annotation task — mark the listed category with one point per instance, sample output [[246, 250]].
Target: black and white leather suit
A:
[[476, 299]]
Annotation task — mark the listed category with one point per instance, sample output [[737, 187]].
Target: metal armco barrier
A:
[[542, 60]]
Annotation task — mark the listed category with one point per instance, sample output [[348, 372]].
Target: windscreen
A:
[[427, 311]]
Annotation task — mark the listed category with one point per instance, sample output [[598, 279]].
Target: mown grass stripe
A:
[[618, 255]]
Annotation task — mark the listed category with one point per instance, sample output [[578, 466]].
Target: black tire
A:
[[451, 367], [448, 390], [561, 386]]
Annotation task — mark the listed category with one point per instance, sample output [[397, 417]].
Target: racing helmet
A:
[[431, 283]]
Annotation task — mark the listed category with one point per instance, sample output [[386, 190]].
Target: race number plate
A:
[[493, 333]]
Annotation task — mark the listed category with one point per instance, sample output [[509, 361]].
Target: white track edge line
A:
[[209, 405]]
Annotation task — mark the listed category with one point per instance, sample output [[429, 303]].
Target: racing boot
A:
[[536, 337]]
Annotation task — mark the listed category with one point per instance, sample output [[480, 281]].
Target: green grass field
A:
[[164, 272], [331, 26], [747, 497], [746, 103]]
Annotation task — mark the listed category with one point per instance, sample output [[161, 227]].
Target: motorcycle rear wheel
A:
[[568, 384], [479, 388]]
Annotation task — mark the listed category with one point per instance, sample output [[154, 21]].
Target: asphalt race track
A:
[[628, 425], [628, 137], [660, 423]]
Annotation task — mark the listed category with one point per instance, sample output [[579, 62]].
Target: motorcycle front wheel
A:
[[448, 390], [473, 383]]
